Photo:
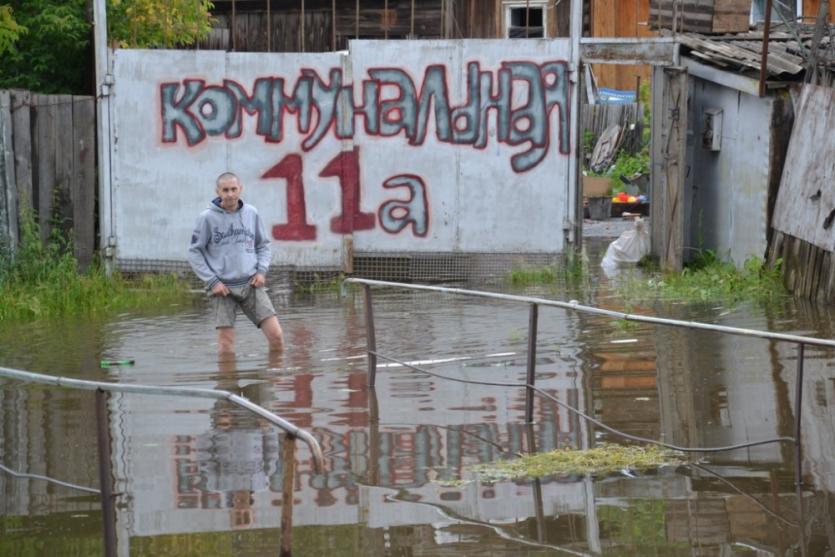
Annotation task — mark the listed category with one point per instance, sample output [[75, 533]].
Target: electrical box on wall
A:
[[712, 130]]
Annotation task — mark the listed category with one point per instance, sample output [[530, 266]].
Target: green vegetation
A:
[[46, 44], [315, 283], [158, 23], [709, 278], [42, 280], [606, 457], [640, 528], [628, 165], [10, 30], [573, 270], [532, 275]]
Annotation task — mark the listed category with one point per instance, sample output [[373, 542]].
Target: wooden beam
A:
[[357, 21], [659, 52], [333, 25], [386, 19], [764, 61], [233, 27], [269, 27], [412, 22], [302, 26]]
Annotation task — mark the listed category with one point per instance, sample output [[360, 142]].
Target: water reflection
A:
[[204, 476]]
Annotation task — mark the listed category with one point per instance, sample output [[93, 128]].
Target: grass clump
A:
[[573, 270], [532, 275], [708, 278], [606, 457], [42, 280], [711, 279]]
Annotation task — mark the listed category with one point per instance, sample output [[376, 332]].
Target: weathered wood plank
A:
[[673, 150], [656, 173], [62, 211], [829, 288], [83, 188], [22, 147], [8, 186], [805, 206], [654, 53], [44, 160]]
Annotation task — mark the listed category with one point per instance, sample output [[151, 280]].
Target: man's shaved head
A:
[[225, 177]]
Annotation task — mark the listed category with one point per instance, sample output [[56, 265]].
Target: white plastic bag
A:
[[630, 247]]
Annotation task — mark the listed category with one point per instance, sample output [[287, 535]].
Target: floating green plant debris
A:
[[606, 457], [453, 483]]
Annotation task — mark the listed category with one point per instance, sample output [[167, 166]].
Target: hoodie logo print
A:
[[240, 235]]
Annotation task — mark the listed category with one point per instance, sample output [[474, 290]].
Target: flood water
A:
[[202, 477]]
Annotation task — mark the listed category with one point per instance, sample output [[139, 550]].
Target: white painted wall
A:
[[475, 201]]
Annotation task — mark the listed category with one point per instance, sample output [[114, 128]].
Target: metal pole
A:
[[370, 338], [533, 318], [302, 25], [412, 24], [536, 488], [798, 400], [105, 475], [764, 59], [574, 305], [70, 383], [104, 80], [386, 19], [288, 469], [234, 25], [333, 25], [443, 20], [269, 27], [373, 438], [574, 184], [357, 21]]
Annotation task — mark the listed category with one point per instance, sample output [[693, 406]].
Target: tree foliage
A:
[[45, 44], [10, 30], [158, 23], [51, 55]]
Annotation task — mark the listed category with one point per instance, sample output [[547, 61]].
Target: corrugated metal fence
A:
[[48, 166]]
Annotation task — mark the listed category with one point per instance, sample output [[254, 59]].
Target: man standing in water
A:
[[230, 253]]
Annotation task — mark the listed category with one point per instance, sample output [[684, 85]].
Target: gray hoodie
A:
[[229, 247]]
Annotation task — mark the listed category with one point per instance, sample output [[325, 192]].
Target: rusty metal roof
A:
[[742, 52]]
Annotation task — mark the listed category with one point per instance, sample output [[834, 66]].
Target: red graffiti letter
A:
[[297, 228], [346, 167]]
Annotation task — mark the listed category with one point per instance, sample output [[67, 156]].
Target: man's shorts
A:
[[254, 302]]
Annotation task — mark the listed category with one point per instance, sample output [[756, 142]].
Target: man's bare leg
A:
[[225, 341], [272, 330]]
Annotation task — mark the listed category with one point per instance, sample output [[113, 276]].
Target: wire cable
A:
[[588, 418], [48, 479]]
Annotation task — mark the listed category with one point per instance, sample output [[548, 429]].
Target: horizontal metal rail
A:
[[573, 305], [66, 382], [576, 306]]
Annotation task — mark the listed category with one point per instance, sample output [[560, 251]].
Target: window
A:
[[782, 9], [518, 14]]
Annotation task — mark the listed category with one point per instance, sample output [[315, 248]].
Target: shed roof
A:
[[789, 47]]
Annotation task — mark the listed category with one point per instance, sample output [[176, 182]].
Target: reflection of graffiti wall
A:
[[435, 146]]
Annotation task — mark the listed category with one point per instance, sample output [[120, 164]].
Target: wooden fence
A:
[[48, 166], [598, 117]]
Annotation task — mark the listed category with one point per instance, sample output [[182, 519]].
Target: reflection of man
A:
[[240, 453]]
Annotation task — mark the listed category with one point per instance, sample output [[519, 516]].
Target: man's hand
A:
[[220, 289], [258, 280]]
